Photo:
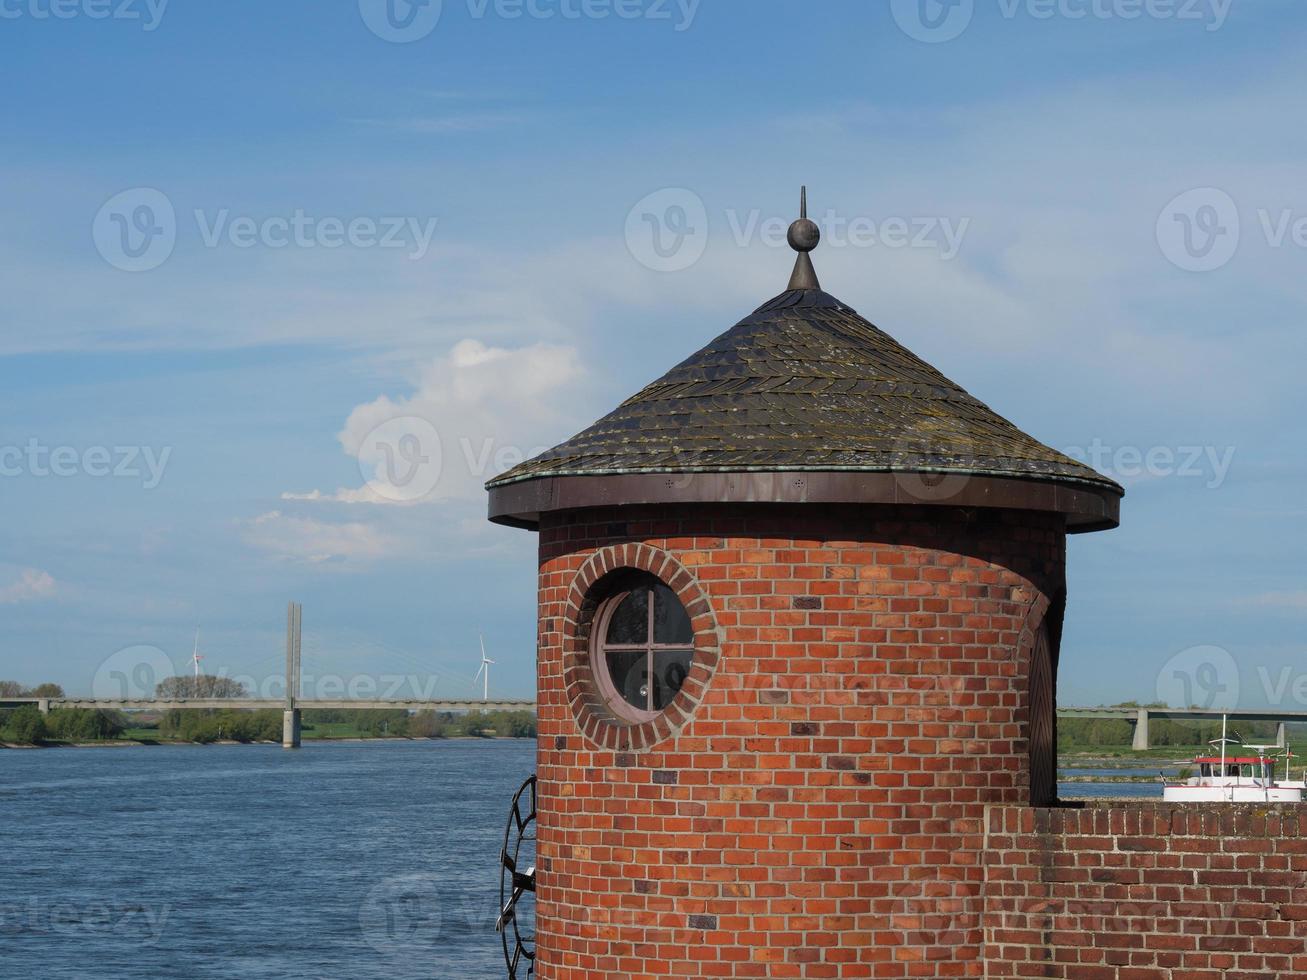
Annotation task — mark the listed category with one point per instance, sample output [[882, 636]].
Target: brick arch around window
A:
[[595, 581]]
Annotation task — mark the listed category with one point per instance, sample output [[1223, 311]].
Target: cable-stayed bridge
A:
[[292, 705]]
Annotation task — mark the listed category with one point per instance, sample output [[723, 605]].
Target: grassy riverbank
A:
[[25, 727]]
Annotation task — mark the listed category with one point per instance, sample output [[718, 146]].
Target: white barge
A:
[[1244, 778]]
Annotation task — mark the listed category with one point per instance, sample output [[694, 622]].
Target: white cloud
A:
[[363, 495], [474, 413], [304, 539], [30, 585]]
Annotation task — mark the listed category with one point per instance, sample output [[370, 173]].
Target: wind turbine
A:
[[485, 669], [195, 659]]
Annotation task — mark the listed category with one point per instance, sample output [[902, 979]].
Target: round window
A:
[[642, 647]]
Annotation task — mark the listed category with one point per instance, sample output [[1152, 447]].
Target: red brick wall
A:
[[1145, 891], [863, 700]]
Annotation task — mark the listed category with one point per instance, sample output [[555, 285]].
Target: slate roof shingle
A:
[[804, 383]]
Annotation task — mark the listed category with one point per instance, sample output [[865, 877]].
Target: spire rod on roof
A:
[[803, 237]]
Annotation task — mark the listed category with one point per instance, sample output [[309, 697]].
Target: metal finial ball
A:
[[804, 235]]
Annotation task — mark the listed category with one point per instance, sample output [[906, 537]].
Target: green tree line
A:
[[426, 724], [212, 726], [27, 726]]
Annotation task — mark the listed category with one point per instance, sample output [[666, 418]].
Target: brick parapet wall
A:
[[1145, 891], [867, 699]]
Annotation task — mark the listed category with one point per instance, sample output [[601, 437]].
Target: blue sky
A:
[[1010, 202]]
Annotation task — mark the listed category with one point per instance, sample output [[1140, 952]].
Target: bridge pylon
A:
[[1141, 731], [290, 721]]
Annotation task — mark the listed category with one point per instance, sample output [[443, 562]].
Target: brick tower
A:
[[799, 611]]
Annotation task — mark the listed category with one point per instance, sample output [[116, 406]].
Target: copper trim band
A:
[[1085, 507]]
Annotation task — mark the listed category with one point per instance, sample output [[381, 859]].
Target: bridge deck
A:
[[1187, 714]]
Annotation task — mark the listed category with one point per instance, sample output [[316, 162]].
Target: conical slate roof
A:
[[805, 385]]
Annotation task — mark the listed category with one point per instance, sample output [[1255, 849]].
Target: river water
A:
[[350, 860], [1092, 790]]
